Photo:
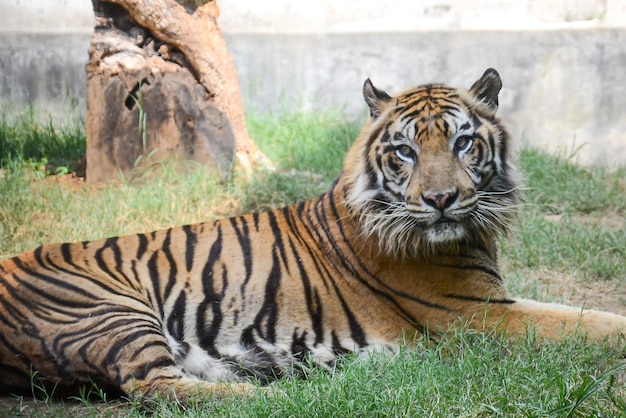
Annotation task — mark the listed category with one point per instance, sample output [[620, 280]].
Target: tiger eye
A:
[[405, 150], [405, 153], [463, 143]]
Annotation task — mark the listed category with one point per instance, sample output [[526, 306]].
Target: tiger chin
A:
[[404, 242]]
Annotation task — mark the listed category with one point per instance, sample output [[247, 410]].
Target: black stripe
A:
[[117, 253], [9, 322], [51, 280], [190, 246], [111, 243], [503, 142], [338, 349], [118, 327], [176, 318], [143, 245], [313, 231], [19, 354], [299, 348], [356, 331], [492, 145], [278, 238], [373, 136], [493, 274], [489, 174], [408, 117], [311, 296], [159, 343], [173, 276], [50, 264], [372, 176], [67, 254], [269, 309], [243, 237], [317, 225], [354, 256], [208, 332], [141, 371], [255, 219], [155, 275]]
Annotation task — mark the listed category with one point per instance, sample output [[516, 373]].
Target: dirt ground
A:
[[563, 288]]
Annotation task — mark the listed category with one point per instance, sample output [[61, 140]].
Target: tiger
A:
[[403, 244]]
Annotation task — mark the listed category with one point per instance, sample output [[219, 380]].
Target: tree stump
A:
[[162, 85]]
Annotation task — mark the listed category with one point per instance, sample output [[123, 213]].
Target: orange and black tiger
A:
[[404, 241]]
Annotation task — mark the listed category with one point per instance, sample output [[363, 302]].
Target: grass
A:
[[574, 222], [23, 139], [464, 376], [569, 245]]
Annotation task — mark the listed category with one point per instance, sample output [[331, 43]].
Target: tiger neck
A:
[[401, 290]]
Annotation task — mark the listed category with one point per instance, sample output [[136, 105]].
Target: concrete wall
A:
[[562, 63]]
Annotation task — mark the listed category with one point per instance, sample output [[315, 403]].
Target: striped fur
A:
[[405, 240]]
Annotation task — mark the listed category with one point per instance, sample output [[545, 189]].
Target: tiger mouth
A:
[[445, 229], [444, 220]]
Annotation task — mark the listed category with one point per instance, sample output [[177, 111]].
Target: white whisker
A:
[[403, 231]]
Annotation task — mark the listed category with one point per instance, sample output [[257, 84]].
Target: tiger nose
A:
[[440, 200]]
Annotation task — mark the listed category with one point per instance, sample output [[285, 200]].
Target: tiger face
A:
[[432, 168]]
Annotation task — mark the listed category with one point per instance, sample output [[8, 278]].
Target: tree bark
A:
[[187, 31]]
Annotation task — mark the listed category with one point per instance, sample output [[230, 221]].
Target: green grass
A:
[[574, 220], [305, 141], [23, 139], [557, 186], [571, 235], [466, 375]]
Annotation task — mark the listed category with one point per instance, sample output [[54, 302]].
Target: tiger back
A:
[[403, 242]]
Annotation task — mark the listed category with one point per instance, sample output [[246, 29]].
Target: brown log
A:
[[188, 34]]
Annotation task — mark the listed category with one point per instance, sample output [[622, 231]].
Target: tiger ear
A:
[[374, 98], [487, 88]]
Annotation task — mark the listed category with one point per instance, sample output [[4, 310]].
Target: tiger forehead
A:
[[433, 99], [432, 109]]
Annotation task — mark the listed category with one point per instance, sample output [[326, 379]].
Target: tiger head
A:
[[431, 169]]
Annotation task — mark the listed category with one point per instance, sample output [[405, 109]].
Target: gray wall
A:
[[564, 85], [562, 89], [45, 70]]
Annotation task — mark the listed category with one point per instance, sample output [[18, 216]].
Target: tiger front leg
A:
[[171, 383], [147, 367], [135, 356], [550, 321]]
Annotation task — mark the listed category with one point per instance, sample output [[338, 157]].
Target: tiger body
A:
[[403, 242]]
